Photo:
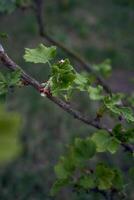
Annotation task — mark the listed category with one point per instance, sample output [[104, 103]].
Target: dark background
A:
[[96, 29]]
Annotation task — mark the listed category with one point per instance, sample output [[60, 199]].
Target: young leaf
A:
[[114, 104], [84, 148], [61, 171], [118, 179], [103, 68], [81, 81], [62, 78], [65, 166], [41, 54], [105, 142], [105, 176], [14, 78], [87, 181], [96, 93]]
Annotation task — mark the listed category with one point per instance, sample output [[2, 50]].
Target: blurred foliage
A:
[[96, 29], [8, 6], [10, 146], [64, 79], [124, 2]]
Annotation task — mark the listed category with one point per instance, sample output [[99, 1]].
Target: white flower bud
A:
[[43, 94], [62, 61]]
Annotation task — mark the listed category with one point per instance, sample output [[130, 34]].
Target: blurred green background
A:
[[96, 29]]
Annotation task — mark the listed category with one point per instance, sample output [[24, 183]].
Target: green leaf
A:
[[105, 142], [3, 35], [10, 79], [62, 77], [14, 78], [127, 113], [118, 180], [105, 176], [123, 135], [2, 78], [129, 135], [114, 104], [66, 166], [81, 81], [101, 139], [117, 131], [96, 93], [84, 148], [87, 181], [113, 145], [61, 169], [41, 54], [9, 139], [104, 68]]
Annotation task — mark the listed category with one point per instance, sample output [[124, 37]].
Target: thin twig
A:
[[9, 63], [39, 17]]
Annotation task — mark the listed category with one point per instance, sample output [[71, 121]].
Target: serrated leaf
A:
[[87, 182], [114, 104], [118, 181], [127, 113], [81, 81], [14, 78], [105, 142], [101, 139], [96, 93], [84, 148], [66, 166], [113, 145], [105, 176], [62, 78], [9, 80], [41, 54], [61, 171]]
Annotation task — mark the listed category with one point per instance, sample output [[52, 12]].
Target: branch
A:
[[39, 17], [10, 64]]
